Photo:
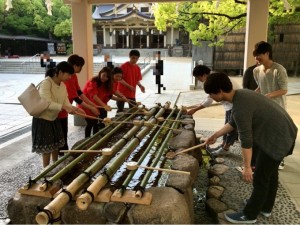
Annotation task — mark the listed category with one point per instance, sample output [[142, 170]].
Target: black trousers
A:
[[265, 185], [103, 114], [91, 125], [120, 104], [64, 126]]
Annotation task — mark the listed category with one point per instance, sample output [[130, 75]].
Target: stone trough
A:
[[167, 199]]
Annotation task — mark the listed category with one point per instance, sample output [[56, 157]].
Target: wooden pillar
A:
[[83, 37], [256, 28]]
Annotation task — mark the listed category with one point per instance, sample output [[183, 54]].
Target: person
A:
[[75, 94], [271, 77], [131, 78], [260, 130], [248, 78], [116, 75], [100, 90], [202, 72], [47, 134]]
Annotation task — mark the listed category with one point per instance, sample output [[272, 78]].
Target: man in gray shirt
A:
[[271, 77], [260, 124]]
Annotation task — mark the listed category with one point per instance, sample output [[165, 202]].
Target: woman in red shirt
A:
[[97, 90], [75, 94]]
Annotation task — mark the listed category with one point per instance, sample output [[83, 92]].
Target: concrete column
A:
[[110, 35], [83, 37], [127, 37], [104, 36], [82, 32], [148, 36], [256, 28]]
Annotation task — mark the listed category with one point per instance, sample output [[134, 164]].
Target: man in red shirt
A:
[[131, 78], [75, 94]]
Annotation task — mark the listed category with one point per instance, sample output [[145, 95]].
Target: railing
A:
[[26, 63], [146, 61]]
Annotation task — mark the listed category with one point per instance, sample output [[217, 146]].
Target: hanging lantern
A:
[[49, 7], [8, 5]]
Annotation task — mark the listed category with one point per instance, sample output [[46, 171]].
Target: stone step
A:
[[32, 67]]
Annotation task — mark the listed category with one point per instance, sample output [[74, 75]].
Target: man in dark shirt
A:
[[248, 79], [260, 124]]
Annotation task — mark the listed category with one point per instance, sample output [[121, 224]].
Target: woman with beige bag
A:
[[47, 135]]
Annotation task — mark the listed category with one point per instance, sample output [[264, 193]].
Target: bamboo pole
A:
[[157, 159], [119, 192], [72, 164], [103, 152], [84, 200], [162, 126], [62, 159], [63, 198]]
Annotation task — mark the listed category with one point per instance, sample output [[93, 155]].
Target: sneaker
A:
[[238, 218], [221, 151], [214, 149], [281, 165], [265, 214]]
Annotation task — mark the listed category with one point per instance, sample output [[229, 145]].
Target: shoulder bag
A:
[[31, 100]]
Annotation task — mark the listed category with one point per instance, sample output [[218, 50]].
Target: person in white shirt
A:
[[201, 72], [47, 134]]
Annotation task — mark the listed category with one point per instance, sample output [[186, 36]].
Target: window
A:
[[144, 9], [281, 37]]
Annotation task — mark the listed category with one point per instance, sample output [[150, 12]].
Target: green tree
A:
[[29, 17], [209, 20]]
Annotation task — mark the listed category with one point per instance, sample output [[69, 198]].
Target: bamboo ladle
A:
[[87, 116], [134, 102], [171, 155], [134, 165], [161, 119], [104, 151], [149, 124], [145, 112], [103, 107], [105, 120]]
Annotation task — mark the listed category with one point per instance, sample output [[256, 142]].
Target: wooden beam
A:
[[36, 191]]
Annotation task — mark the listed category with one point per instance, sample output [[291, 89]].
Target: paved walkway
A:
[[15, 139]]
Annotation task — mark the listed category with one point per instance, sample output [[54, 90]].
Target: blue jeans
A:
[[265, 185]]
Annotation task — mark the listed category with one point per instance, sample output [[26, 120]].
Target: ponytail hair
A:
[[63, 66]]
